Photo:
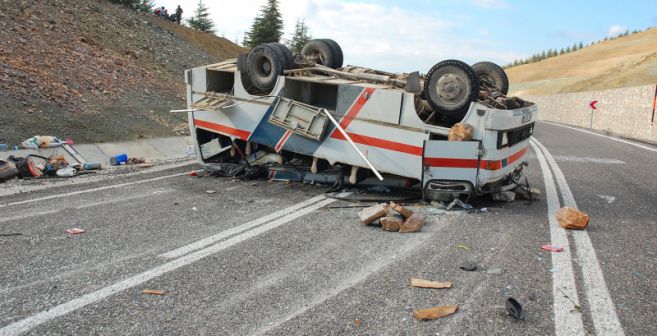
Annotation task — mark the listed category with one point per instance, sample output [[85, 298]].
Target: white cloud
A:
[[616, 30], [370, 34], [491, 3]]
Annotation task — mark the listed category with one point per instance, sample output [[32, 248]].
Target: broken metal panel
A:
[[383, 105], [212, 102], [302, 119], [451, 160], [389, 148]]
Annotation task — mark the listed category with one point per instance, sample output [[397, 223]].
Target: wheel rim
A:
[[451, 88], [264, 66]]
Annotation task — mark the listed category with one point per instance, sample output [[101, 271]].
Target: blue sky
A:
[[413, 35]]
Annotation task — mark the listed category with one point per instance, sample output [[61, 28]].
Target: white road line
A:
[[79, 207], [603, 311], [585, 159], [18, 189], [2, 205], [567, 320], [225, 234], [604, 136], [34, 214], [33, 321]]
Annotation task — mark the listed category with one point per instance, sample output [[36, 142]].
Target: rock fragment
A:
[[571, 218], [371, 214], [413, 224]]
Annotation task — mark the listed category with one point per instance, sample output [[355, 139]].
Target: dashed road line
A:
[[603, 311]]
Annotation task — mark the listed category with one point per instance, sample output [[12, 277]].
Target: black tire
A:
[[286, 54], [265, 64], [242, 66], [337, 53], [450, 87], [321, 52], [493, 73]]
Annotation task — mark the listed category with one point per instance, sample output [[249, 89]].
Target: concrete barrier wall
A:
[[625, 111]]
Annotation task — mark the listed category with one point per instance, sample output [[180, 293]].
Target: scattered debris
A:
[[571, 218], [514, 309], [357, 323], [421, 283], [413, 224], [459, 203], [120, 159], [468, 266], [154, 291], [494, 271], [194, 208], [373, 213], [609, 199], [552, 247], [531, 297], [66, 172], [504, 196], [137, 161], [484, 210], [41, 141], [211, 191], [460, 132], [192, 173], [463, 246], [392, 222], [8, 170], [74, 231], [402, 210], [434, 312], [3, 147]]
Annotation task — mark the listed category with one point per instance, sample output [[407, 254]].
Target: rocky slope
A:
[[95, 71]]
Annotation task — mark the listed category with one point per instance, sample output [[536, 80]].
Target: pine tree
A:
[[267, 26], [574, 48], [561, 51], [200, 20], [568, 50], [301, 36], [581, 45]]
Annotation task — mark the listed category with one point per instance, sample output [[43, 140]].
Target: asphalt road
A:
[[260, 258]]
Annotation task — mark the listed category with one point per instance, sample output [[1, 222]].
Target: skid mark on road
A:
[[93, 297], [603, 311]]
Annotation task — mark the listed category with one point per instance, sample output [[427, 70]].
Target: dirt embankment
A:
[[95, 71], [622, 62]]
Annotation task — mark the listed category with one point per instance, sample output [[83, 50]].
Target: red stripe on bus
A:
[[380, 143], [281, 142], [451, 163], [242, 134], [473, 163], [351, 114]]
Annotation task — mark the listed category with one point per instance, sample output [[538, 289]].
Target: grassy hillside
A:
[[626, 61], [95, 71]]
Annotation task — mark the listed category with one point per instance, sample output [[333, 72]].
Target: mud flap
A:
[[450, 169]]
